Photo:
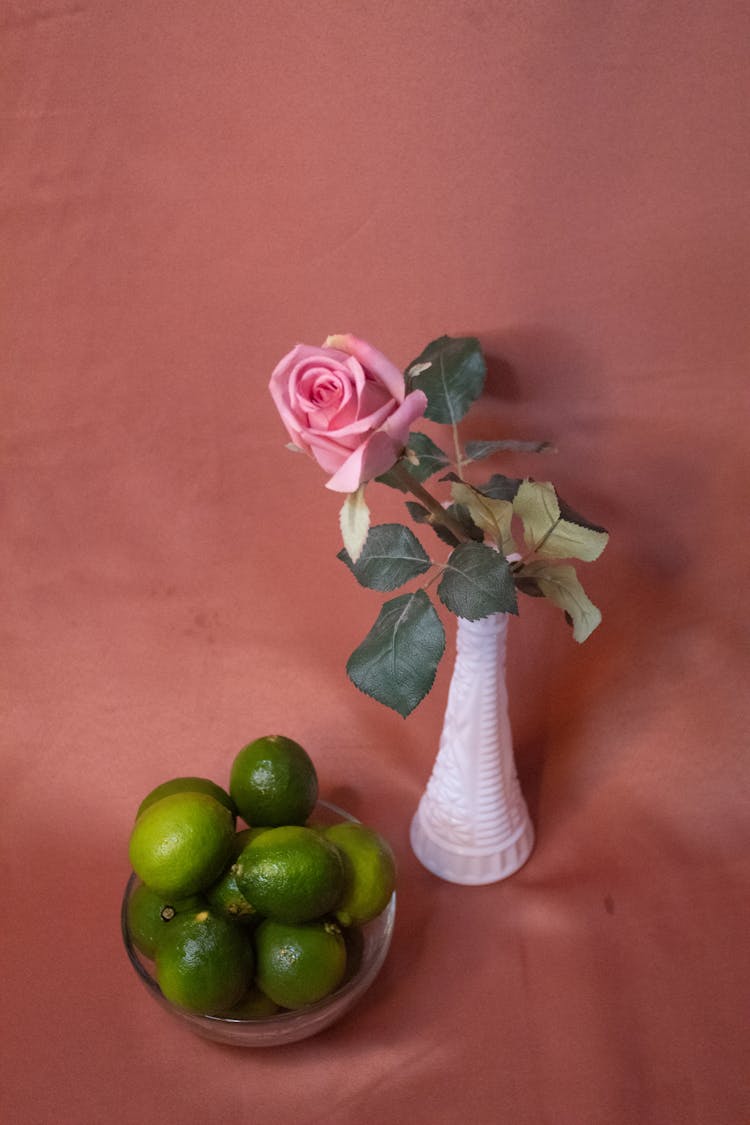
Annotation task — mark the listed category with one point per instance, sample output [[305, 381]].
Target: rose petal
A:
[[380, 452], [372, 360], [402, 419], [374, 456], [319, 388], [317, 382], [360, 426], [373, 397], [279, 388], [329, 453]]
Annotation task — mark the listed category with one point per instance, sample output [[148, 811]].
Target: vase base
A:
[[469, 866]]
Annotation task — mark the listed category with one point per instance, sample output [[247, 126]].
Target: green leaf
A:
[[559, 583], [546, 530], [420, 514], [392, 555], [460, 512], [430, 459], [397, 660], [430, 456], [477, 582], [492, 516], [354, 520], [477, 450], [451, 372], [462, 516], [500, 487]]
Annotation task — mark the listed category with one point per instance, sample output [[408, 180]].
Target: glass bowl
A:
[[285, 1026]]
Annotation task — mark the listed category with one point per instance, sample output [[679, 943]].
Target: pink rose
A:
[[346, 405]]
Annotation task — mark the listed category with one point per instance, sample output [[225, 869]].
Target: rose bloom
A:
[[346, 405]]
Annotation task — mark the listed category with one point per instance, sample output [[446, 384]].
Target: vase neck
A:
[[488, 632]]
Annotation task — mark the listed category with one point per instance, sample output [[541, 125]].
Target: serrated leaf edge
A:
[[431, 681]]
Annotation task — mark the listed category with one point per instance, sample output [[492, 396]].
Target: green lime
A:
[[370, 870], [244, 836], [188, 785], [180, 844], [225, 898], [204, 963], [273, 782], [148, 914], [254, 1005], [299, 964], [292, 874]]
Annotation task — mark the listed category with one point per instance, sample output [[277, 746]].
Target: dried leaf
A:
[[493, 516], [559, 583], [354, 520], [546, 530]]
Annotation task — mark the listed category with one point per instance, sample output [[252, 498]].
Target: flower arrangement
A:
[[351, 409]]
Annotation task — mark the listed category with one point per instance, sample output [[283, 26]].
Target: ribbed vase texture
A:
[[472, 825]]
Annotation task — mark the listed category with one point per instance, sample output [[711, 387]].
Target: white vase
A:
[[472, 825]]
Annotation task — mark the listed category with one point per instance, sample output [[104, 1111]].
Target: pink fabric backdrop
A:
[[187, 190]]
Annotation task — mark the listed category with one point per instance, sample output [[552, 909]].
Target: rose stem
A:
[[436, 509], [457, 446]]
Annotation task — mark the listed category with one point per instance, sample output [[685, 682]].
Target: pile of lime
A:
[[247, 922]]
